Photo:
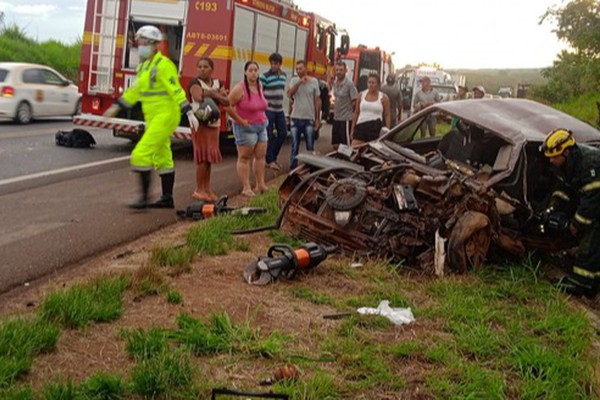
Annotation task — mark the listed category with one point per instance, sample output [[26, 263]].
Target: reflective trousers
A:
[[154, 149]]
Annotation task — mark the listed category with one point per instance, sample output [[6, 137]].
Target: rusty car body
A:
[[480, 184]]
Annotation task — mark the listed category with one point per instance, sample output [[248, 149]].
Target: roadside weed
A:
[[60, 390], [20, 341], [103, 386], [162, 374], [320, 386], [17, 393], [148, 281], [141, 344], [214, 236], [98, 301], [178, 259], [312, 296], [174, 297]]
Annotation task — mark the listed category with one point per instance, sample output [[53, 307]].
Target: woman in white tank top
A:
[[371, 114]]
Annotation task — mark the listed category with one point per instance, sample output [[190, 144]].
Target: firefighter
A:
[[163, 101], [577, 168]]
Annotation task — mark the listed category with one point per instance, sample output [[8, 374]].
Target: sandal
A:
[[198, 196], [274, 166]]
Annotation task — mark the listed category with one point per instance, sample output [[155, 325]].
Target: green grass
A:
[[149, 281], [507, 325], [312, 296], [162, 375], [174, 297], [319, 386], [214, 237], [178, 259], [20, 341], [60, 389], [17, 393], [583, 108], [97, 301], [220, 335], [103, 386], [141, 344]]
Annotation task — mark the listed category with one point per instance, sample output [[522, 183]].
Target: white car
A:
[[29, 91]]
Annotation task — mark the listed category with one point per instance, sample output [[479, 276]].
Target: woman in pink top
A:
[[247, 106]]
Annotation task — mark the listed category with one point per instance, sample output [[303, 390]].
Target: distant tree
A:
[[577, 72], [578, 24]]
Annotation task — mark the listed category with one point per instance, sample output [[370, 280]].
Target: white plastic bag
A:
[[399, 316]]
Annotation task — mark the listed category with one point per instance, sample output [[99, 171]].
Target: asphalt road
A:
[[60, 205]]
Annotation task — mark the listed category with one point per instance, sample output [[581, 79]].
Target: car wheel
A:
[[24, 113], [77, 110], [469, 241]]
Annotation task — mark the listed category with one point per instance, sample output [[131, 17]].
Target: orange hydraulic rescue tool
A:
[[283, 260]]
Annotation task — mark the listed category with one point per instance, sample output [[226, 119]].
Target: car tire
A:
[[24, 113], [77, 110]]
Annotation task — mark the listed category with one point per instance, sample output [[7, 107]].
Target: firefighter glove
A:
[[559, 221], [194, 123]]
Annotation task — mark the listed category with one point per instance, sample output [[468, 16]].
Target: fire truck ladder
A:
[[103, 46]]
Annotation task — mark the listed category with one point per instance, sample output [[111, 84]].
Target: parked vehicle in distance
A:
[[29, 91], [505, 92]]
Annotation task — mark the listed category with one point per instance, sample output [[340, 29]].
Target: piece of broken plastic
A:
[[399, 316]]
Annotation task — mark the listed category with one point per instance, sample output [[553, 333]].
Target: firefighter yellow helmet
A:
[[557, 141], [149, 32]]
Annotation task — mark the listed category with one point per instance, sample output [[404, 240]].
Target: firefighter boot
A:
[[166, 200], [145, 186]]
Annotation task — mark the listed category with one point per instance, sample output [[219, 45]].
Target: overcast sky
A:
[[452, 33]]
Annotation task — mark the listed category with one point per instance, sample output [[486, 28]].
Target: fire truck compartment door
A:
[[158, 12]]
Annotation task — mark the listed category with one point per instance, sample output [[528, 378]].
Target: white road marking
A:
[[62, 170]]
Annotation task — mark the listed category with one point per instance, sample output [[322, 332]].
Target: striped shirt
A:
[[274, 89]]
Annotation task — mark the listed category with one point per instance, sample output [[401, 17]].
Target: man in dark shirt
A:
[[393, 93]]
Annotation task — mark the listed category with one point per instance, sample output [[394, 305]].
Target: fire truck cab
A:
[[230, 32], [361, 61]]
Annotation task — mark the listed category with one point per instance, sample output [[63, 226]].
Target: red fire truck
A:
[[230, 32], [361, 61]]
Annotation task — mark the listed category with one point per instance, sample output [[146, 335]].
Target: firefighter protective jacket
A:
[[581, 180]]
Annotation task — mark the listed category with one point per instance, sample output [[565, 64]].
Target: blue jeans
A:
[[299, 127], [276, 121]]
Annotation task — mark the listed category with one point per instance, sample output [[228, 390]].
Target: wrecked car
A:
[[479, 185]]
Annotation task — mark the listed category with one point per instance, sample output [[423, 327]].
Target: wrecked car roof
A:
[[518, 119]]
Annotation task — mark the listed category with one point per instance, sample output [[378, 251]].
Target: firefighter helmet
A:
[[557, 141], [149, 32]]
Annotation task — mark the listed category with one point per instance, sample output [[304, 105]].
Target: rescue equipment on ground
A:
[[75, 138], [202, 209], [283, 261]]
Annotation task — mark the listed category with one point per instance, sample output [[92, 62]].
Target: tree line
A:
[[576, 72], [16, 46]]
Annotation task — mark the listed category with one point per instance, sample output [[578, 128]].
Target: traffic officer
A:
[[577, 168], [163, 101]]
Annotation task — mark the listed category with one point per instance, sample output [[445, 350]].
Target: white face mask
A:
[[145, 51]]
